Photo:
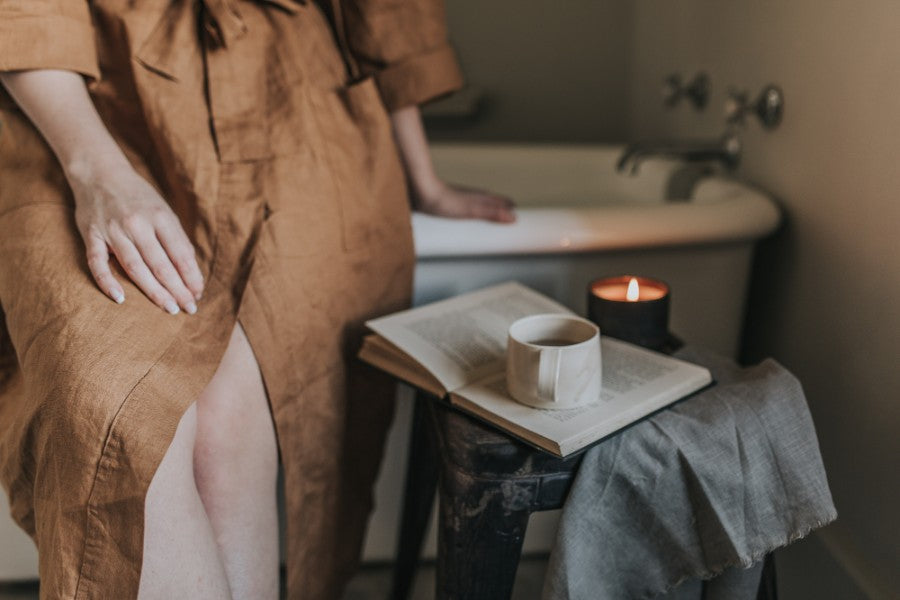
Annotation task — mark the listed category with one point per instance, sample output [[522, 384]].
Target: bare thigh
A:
[[235, 468], [211, 517], [180, 558]]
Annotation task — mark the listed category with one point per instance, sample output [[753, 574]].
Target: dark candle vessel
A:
[[643, 321]]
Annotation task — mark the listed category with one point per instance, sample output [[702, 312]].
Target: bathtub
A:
[[578, 219]]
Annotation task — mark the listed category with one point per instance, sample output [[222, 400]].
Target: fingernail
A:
[[119, 297], [191, 308], [171, 307]]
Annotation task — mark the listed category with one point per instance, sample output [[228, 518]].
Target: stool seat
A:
[[482, 451]]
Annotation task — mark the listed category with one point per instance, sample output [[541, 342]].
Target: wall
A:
[[511, 50], [826, 296]]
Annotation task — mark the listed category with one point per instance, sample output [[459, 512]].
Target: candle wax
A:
[[618, 291]]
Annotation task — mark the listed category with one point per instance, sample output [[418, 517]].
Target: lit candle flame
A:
[[634, 291]]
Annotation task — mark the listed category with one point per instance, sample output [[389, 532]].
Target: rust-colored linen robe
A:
[[265, 128]]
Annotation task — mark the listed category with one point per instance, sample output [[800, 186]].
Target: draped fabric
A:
[[705, 488]]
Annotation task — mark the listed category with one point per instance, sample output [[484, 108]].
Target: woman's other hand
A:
[[432, 195], [458, 202], [118, 212]]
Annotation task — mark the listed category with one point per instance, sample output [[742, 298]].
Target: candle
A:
[[631, 308]]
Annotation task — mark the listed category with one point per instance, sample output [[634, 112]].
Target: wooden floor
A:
[[805, 572]]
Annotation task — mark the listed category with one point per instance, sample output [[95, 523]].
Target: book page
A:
[[636, 382], [463, 339], [624, 372], [380, 353]]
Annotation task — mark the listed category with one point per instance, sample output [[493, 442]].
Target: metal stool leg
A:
[[479, 543], [768, 585], [418, 498]]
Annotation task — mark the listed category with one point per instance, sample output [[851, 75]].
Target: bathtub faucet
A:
[[726, 150]]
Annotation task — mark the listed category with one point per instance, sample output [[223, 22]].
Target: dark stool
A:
[[489, 485]]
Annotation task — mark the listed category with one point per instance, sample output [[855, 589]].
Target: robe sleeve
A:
[[404, 45], [47, 34]]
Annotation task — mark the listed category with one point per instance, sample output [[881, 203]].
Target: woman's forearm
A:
[[58, 104], [430, 193], [413, 145]]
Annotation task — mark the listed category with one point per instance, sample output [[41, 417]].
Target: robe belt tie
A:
[[221, 20]]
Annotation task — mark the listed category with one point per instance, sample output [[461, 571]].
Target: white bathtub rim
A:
[[722, 211]]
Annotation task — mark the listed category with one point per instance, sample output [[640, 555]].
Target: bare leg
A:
[[211, 523], [181, 559], [235, 467]]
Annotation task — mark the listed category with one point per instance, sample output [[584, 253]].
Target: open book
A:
[[457, 348]]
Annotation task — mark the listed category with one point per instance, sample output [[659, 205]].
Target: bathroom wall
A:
[[826, 292], [547, 70]]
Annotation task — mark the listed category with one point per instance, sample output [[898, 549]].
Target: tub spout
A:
[[725, 150]]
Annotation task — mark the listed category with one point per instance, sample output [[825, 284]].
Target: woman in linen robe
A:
[[200, 203]]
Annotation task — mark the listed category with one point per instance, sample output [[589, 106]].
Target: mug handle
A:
[[548, 373]]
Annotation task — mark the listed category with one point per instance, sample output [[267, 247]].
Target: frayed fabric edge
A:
[[746, 563]]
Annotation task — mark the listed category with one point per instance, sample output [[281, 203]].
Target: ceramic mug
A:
[[553, 361]]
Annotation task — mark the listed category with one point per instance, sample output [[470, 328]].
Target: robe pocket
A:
[[29, 172], [358, 147]]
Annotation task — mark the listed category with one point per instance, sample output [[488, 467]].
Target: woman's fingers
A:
[[478, 204], [98, 263], [133, 263], [494, 208], [121, 213], [181, 252], [144, 236]]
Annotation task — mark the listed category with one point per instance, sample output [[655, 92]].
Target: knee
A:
[[221, 417], [235, 439], [235, 432], [230, 424], [233, 409]]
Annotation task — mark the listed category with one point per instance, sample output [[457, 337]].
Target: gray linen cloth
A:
[[714, 482]]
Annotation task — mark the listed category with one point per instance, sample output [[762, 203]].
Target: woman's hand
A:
[[116, 209], [458, 202], [118, 212], [430, 194]]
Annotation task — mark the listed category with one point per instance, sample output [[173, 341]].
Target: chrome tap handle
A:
[[672, 90], [768, 106], [696, 91]]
